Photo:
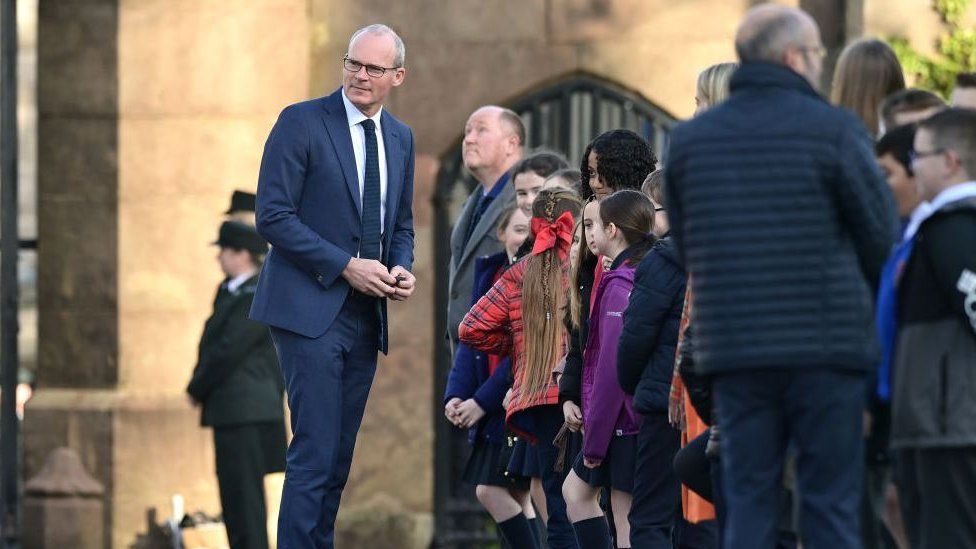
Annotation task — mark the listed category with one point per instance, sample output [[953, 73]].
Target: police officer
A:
[[240, 389]]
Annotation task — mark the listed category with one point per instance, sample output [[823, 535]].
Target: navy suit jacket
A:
[[308, 208]]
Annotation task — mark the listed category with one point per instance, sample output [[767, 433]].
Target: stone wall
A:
[[152, 111]]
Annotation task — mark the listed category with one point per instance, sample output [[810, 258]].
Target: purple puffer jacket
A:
[[607, 410]]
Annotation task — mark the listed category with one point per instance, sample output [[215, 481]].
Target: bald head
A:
[[769, 30], [493, 142], [507, 117]]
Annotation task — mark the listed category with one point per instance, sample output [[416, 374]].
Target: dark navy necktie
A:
[[484, 201], [370, 246]]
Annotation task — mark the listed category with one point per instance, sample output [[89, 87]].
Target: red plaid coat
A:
[[494, 325]]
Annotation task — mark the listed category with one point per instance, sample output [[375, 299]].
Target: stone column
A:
[[63, 505], [150, 113]]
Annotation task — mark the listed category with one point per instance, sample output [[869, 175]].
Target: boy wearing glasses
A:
[[933, 390]]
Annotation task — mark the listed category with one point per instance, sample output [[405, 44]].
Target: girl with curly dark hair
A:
[[615, 160]]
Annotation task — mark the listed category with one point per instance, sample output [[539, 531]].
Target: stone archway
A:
[[563, 114]]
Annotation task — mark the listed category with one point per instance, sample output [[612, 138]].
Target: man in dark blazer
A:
[[335, 193], [494, 138], [784, 220], [239, 386]]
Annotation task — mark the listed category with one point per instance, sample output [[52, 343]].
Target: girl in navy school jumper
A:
[[622, 233], [645, 365], [473, 399]]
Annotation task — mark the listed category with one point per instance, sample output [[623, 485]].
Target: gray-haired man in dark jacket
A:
[[783, 218]]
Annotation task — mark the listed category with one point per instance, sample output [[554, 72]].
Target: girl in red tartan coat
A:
[[522, 315]]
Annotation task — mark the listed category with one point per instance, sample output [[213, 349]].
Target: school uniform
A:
[[494, 324], [485, 378], [610, 423]]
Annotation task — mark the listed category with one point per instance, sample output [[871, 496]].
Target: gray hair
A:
[[770, 36], [401, 50]]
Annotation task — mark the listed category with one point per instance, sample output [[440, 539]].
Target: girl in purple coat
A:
[[610, 424]]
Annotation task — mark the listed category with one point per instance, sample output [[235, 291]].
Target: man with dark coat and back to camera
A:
[[335, 196], [780, 212], [239, 387]]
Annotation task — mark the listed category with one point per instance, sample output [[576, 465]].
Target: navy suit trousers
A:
[[328, 379], [817, 410]]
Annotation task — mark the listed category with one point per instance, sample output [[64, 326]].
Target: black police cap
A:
[[240, 236], [241, 201]]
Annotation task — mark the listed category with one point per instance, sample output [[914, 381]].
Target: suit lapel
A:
[[487, 221], [336, 123], [457, 235], [394, 172]]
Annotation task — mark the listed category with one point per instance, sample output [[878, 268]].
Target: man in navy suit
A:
[[334, 199]]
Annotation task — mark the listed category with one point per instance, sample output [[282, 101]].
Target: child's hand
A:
[[468, 413], [450, 411], [507, 400], [573, 416], [592, 463]]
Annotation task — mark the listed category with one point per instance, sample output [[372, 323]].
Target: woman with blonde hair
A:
[[713, 85], [867, 72]]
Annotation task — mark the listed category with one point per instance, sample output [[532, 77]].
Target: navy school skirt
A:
[[488, 465], [617, 470], [525, 459]]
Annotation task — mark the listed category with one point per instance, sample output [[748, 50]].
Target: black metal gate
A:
[[564, 116]]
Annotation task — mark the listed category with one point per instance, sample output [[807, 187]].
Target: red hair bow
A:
[[558, 234]]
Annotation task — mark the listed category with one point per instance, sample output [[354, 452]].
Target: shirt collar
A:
[[497, 189], [355, 116], [926, 210], [235, 283]]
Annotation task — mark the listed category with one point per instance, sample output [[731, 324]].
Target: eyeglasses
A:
[[374, 71], [914, 156], [819, 51]]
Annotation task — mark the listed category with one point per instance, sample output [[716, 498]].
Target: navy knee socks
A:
[[593, 533], [537, 528], [518, 532]]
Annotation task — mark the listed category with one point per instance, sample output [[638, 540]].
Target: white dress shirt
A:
[[358, 134], [235, 283], [926, 210]]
